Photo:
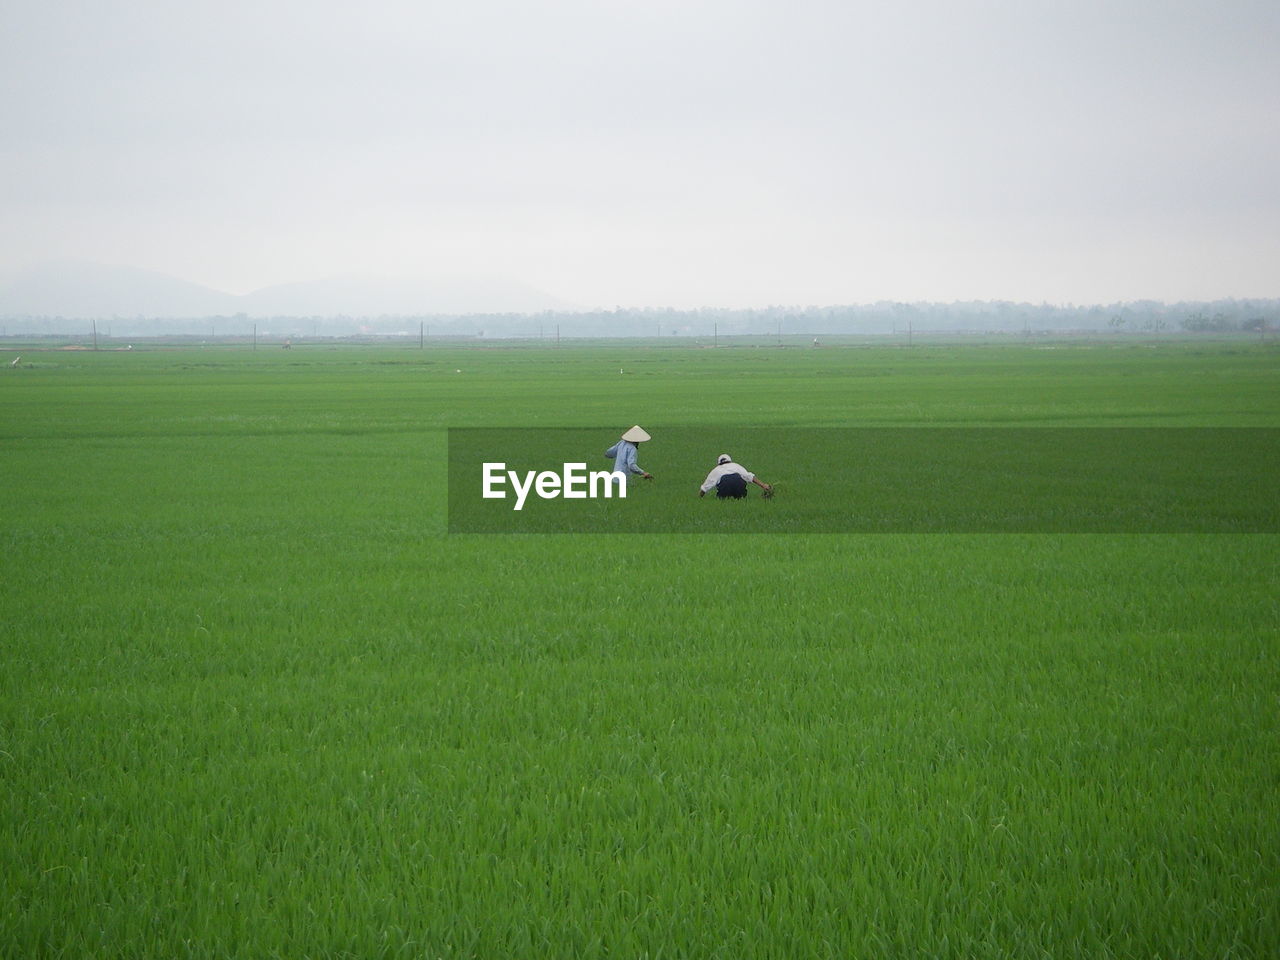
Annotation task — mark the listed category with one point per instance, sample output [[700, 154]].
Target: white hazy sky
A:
[[646, 152]]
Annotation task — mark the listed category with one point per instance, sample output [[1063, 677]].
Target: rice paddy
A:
[[258, 700]]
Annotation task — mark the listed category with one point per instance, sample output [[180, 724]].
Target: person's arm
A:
[[632, 466], [763, 486]]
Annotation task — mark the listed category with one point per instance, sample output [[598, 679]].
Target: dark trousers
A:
[[731, 486]]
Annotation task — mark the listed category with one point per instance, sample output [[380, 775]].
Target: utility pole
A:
[[421, 335], [255, 336], [95, 334]]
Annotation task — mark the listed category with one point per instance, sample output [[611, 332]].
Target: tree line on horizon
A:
[[1142, 316]]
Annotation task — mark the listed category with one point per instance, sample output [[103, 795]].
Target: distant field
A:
[[257, 702]]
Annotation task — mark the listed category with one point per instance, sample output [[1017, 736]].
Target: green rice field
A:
[[257, 700]]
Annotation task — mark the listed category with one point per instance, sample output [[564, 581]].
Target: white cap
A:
[[636, 435], [723, 458]]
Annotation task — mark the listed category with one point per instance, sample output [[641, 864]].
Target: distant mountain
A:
[[90, 290], [72, 289]]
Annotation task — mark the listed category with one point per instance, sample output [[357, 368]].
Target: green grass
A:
[[875, 480], [256, 702]]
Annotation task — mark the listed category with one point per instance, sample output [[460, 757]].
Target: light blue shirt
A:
[[623, 455]]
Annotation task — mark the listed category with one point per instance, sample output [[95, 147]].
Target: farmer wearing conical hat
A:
[[623, 453]]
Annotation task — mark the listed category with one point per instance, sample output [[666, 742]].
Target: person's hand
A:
[[768, 491], [647, 476]]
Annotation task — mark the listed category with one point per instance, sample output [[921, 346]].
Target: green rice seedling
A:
[[257, 700]]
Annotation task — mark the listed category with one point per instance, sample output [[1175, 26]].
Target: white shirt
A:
[[721, 469]]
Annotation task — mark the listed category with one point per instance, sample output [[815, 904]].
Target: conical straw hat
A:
[[636, 435]]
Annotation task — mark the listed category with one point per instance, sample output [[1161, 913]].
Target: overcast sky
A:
[[654, 153]]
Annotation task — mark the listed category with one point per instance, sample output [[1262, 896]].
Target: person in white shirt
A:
[[729, 480]]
